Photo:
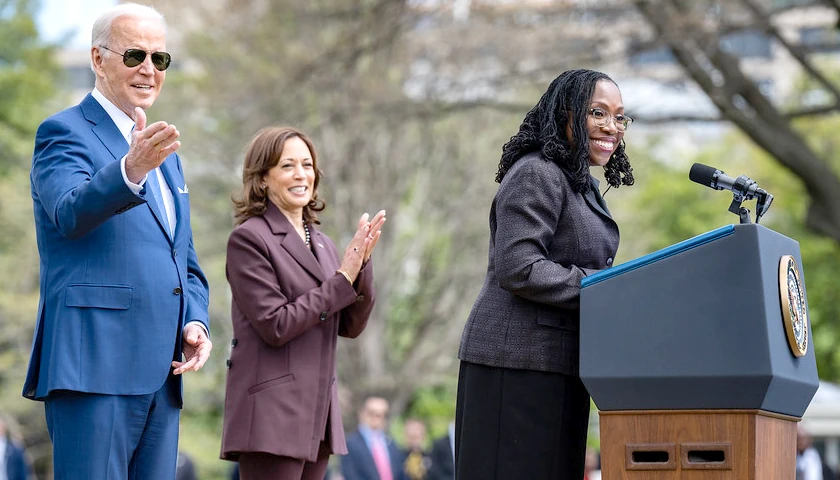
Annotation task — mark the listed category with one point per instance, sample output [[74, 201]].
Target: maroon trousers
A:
[[263, 466]]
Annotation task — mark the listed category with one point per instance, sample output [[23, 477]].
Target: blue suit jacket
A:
[[358, 463], [116, 290]]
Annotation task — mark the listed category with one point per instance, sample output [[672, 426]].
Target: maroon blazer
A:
[[289, 306]]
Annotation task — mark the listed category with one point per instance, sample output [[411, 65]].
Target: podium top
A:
[[666, 252], [698, 325]]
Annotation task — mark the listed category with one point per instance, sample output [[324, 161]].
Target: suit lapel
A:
[[160, 216], [103, 127], [172, 179], [106, 130], [594, 199], [291, 241], [319, 248]]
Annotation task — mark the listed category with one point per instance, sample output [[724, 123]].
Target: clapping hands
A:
[[361, 246]]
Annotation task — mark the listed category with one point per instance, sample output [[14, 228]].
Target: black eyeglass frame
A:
[[623, 126], [134, 56]]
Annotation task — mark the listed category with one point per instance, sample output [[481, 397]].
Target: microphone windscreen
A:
[[702, 174]]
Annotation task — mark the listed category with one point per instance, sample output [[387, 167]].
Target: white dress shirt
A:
[[809, 465]]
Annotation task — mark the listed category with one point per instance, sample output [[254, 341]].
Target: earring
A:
[[262, 187]]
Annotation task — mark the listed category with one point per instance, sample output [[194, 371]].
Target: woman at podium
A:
[[522, 410]]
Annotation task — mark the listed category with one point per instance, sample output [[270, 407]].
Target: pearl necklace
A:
[[306, 233]]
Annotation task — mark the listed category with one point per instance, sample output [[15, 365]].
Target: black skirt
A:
[[519, 424]]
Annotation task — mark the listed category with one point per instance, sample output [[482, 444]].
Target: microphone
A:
[[742, 187]]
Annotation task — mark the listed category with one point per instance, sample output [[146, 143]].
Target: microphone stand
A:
[[741, 191], [741, 185]]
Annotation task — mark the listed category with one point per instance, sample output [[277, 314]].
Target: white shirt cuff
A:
[[134, 187]]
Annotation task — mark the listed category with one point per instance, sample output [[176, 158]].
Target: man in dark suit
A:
[[372, 453], [185, 469], [122, 296], [442, 457], [13, 464]]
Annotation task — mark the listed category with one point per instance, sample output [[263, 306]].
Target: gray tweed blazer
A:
[[544, 238]]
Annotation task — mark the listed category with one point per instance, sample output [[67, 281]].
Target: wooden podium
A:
[[698, 358], [697, 444]]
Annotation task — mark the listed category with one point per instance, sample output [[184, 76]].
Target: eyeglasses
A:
[[603, 117], [133, 57]]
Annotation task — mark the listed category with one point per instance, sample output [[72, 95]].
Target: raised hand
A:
[[361, 245], [150, 145], [374, 230]]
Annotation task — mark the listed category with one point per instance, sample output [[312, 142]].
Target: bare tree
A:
[[391, 89], [338, 69], [693, 36], [559, 35]]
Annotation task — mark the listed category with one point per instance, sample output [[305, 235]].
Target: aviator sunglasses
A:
[[133, 57]]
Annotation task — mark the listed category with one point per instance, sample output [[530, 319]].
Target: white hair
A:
[[101, 31]]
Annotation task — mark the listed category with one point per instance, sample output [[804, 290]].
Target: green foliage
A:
[[668, 208], [435, 406], [28, 74], [199, 438], [337, 68]]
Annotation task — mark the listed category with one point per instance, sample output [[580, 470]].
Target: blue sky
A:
[[61, 17]]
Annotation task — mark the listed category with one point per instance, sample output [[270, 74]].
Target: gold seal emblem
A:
[[794, 306]]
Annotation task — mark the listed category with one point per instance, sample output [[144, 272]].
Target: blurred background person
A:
[[416, 460], [185, 467], [522, 410], [292, 297], [592, 465], [13, 463], [371, 453], [808, 463], [442, 457]]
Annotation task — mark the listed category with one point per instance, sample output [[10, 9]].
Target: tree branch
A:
[[740, 100], [795, 50]]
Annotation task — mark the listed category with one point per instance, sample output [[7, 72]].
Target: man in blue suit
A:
[[123, 308]]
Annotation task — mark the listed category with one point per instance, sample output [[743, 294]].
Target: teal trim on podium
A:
[[658, 255]]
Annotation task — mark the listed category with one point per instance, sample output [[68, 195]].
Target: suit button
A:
[[177, 291], [323, 316], [174, 253], [233, 342], [609, 261], [229, 363], [360, 298]]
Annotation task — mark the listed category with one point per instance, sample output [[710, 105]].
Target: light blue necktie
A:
[[154, 189]]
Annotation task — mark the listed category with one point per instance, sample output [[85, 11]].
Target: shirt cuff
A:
[[134, 187], [200, 325]]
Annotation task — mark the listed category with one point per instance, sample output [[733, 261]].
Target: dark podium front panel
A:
[[697, 325]]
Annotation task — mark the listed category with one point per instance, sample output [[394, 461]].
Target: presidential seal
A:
[[794, 305]]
